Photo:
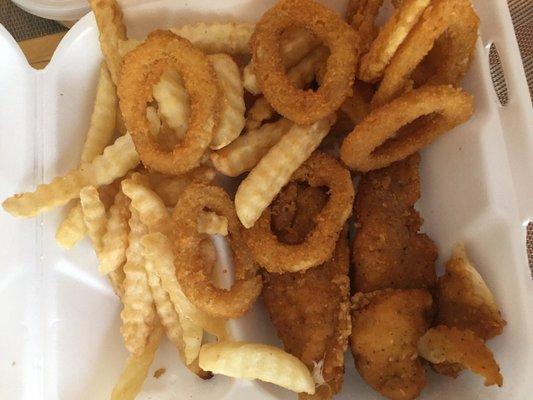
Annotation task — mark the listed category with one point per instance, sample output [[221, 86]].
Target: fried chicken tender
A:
[[388, 251], [465, 301], [460, 349], [386, 327], [310, 310]]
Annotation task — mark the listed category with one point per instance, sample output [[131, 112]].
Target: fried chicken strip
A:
[[386, 327], [310, 310], [388, 251]]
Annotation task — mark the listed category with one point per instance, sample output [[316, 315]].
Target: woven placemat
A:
[[23, 26]]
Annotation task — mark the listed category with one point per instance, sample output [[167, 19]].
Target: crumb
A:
[[159, 372]]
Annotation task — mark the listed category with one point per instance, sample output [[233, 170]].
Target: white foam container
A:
[[59, 325]]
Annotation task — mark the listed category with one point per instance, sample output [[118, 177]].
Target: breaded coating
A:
[[465, 301], [458, 347], [386, 326], [310, 310], [388, 251]]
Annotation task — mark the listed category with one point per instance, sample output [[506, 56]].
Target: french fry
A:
[[125, 46], [160, 251], [116, 278], [101, 130], [112, 30], [231, 116], [294, 46], [116, 160], [211, 223], [138, 313], [94, 216], [231, 38], [136, 368], [244, 153], [72, 229], [173, 101], [153, 120], [260, 111], [115, 240], [257, 361], [150, 208], [275, 169]]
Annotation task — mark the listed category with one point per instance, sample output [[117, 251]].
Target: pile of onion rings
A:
[[304, 107], [193, 274], [317, 247]]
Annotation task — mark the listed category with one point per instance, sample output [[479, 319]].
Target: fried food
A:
[[465, 301], [295, 43], [211, 223], [318, 245], [259, 112], [247, 150], [310, 311], [158, 248], [386, 327], [191, 271], [94, 216], [444, 344], [257, 361], [108, 15], [142, 69], [275, 169], [388, 250], [404, 126], [361, 15], [232, 109], [453, 18], [115, 239], [136, 369], [304, 107], [72, 229], [173, 102], [390, 37], [116, 160], [138, 315]]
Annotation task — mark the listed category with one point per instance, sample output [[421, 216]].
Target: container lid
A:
[[60, 10]]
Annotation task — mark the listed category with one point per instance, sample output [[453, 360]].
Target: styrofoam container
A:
[[59, 10], [60, 320]]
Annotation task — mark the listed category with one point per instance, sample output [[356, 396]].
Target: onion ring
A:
[[304, 107], [142, 69], [317, 247], [454, 18], [372, 144], [390, 37], [191, 269]]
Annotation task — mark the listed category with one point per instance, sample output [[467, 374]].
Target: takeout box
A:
[[59, 329]]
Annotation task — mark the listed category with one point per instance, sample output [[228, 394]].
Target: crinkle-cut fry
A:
[[169, 188], [248, 360], [154, 121], [108, 16], [94, 216], [361, 15], [275, 169], [116, 278], [173, 101], [152, 211], [211, 223], [115, 240], [230, 37], [443, 344], [161, 249], [232, 109], [72, 229], [116, 160], [138, 314], [260, 111], [103, 118], [244, 153], [295, 44], [136, 368], [303, 73], [390, 37]]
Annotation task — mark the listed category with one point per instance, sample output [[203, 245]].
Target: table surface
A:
[[39, 37]]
